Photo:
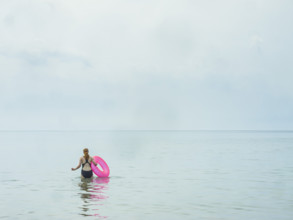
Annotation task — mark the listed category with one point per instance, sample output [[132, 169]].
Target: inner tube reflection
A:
[[93, 193]]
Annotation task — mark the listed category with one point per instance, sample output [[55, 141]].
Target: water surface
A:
[[154, 175]]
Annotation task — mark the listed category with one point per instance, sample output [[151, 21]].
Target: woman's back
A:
[[86, 164]]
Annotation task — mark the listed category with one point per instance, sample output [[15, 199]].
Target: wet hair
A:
[[86, 153]]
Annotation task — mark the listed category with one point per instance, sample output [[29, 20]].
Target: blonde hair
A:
[[86, 153]]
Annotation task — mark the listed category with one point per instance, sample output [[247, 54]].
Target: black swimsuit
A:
[[86, 174]]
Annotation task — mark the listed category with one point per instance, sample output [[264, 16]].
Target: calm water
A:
[[154, 175]]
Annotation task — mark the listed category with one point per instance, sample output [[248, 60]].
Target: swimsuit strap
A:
[[86, 161]]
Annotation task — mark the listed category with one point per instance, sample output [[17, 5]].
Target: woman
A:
[[85, 161]]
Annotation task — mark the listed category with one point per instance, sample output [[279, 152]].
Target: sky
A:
[[146, 65]]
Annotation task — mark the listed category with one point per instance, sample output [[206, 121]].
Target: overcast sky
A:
[[156, 64]]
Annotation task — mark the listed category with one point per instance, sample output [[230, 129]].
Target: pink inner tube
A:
[[100, 173]]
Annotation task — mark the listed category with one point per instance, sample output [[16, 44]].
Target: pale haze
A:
[[135, 65]]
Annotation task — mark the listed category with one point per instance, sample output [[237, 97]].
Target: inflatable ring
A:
[[100, 173]]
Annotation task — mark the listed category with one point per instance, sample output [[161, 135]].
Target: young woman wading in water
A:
[[85, 162]]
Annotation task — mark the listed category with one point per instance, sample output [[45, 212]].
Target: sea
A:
[[172, 175]]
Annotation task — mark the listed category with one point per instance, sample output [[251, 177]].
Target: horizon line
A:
[[144, 130]]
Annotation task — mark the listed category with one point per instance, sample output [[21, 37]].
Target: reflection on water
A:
[[93, 192]]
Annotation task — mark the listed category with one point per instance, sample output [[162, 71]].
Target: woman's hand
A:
[[78, 166]]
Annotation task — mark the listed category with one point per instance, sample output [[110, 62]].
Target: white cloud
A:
[[144, 64]]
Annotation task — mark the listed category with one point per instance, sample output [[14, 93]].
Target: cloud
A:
[[256, 41], [145, 64]]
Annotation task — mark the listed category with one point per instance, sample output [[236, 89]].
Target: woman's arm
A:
[[78, 166], [94, 162]]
